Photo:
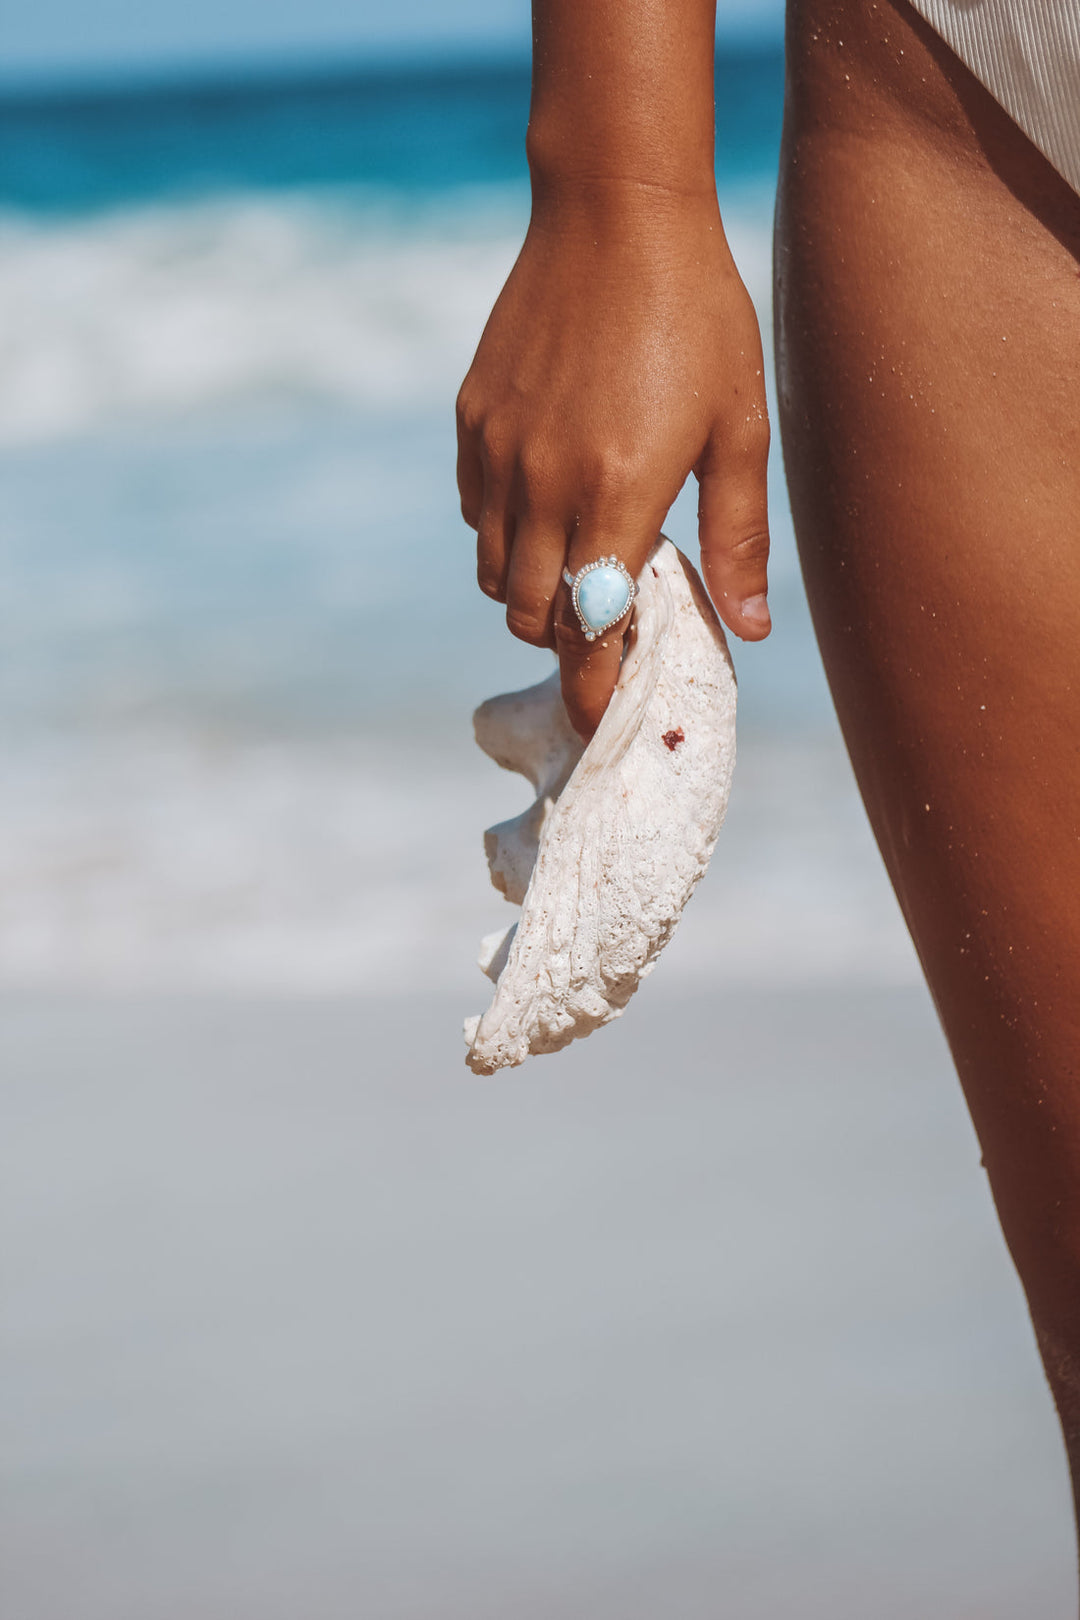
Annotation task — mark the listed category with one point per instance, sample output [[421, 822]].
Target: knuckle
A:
[[752, 550], [496, 442], [535, 469], [527, 625], [609, 476], [758, 427], [755, 436], [467, 410]]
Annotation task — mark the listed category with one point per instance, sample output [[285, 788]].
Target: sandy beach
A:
[[709, 1317]]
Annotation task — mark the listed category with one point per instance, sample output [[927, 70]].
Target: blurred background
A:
[[708, 1317]]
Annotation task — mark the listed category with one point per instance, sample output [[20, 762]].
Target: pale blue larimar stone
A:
[[603, 596]]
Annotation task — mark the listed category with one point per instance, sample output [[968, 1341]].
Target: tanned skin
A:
[[623, 352], [928, 317], [928, 346]]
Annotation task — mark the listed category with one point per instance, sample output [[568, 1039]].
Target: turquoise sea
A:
[[241, 634], [708, 1316]]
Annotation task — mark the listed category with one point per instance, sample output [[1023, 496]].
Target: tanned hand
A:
[[622, 355]]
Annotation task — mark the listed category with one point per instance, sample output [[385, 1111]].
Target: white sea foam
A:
[[170, 309], [176, 308], [139, 849], [172, 860]]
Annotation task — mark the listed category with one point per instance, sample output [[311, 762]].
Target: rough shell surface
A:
[[621, 831]]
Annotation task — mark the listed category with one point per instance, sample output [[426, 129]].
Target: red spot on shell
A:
[[674, 738]]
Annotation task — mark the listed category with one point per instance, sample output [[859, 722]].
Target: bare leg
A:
[[928, 312]]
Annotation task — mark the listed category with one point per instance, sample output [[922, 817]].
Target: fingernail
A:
[[756, 609]]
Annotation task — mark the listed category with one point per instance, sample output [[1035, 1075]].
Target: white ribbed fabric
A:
[[1027, 54]]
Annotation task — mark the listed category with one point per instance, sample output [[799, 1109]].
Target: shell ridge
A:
[[630, 833]]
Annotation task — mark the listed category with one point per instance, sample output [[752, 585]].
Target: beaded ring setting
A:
[[602, 593]]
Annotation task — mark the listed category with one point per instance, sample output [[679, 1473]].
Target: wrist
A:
[[603, 205], [565, 158]]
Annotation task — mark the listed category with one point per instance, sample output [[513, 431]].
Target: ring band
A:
[[602, 593]]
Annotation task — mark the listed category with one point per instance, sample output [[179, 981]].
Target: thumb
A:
[[733, 529]]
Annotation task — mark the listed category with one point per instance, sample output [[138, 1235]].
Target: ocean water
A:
[[295, 1322], [237, 752]]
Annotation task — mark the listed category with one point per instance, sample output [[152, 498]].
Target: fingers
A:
[[470, 479], [484, 504], [733, 528], [588, 669], [536, 563], [494, 546]]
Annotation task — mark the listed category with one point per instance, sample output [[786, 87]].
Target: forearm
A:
[[622, 98], [623, 352]]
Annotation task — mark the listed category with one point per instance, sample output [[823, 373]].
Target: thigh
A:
[[928, 341]]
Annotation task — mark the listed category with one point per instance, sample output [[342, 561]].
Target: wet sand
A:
[[709, 1317]]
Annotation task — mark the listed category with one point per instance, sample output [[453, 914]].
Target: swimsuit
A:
[[1027, 54]]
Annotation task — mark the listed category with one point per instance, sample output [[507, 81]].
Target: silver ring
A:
[[602, 593]]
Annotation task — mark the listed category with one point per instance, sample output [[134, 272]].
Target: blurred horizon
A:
[[245, 72], [71, 44], [300, 1320], [242, 70], [233, 320], [421, 123]]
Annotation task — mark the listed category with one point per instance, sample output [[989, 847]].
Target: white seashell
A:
[[621, 831]]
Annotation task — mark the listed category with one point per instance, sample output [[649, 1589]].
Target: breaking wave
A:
[[165, 309]]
